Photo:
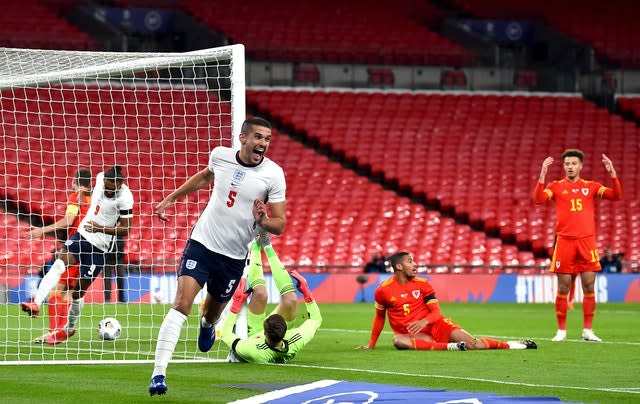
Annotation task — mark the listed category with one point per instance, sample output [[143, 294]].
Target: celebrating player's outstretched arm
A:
[[545, 169], [196, 182], [608, 165]]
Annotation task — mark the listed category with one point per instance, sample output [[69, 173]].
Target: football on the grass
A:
[[109, 329]]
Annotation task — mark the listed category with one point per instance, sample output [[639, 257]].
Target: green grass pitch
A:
[[573, 370]]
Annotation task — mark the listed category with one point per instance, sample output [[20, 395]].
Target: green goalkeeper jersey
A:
[[254, 349]]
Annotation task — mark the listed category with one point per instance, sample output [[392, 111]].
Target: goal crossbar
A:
[[156, 114]]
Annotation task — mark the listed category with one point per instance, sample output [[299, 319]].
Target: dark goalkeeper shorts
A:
[[219, 272]]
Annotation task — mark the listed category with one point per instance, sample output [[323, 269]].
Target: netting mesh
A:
[[158, 116]]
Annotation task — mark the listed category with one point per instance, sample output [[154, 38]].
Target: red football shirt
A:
[[574, 203], [404, 303], [78, 206]]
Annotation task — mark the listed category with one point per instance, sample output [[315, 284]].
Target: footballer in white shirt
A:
[[244, 181], [109, 215]]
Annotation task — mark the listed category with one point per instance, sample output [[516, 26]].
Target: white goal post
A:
[[158, 115]]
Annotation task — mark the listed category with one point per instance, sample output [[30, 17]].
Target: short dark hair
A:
[[397, 258], [275, 328], [248, 124], [573, 153], [83, 177], [114, 174]]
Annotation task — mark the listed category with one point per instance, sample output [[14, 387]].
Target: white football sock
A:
[[516, 345], [49, 281], [167, 340]]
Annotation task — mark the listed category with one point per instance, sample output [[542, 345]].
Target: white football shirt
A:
[[226, 225], [107, 212]]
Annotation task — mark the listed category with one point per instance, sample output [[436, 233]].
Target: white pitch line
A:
[[632, 390]]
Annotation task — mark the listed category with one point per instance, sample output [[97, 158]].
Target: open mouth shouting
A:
[[257, 153]]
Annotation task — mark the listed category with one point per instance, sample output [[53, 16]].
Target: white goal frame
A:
[[33, 68]]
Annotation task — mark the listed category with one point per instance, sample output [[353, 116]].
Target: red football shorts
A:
[[574, 256], [441, 330], [70, 276]]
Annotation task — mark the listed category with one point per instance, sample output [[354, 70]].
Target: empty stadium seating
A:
[[629, 105], [30, 24], [381, 77], [476, 154], [306, 74], [609, 27], [17, 249], [338, 217], [525, 80], [160, 137], [334, 31]]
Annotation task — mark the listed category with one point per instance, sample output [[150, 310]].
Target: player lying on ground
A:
[[270, 340], [415, 316]]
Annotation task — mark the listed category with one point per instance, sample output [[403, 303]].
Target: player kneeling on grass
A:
[[415, 316], [270, 340]]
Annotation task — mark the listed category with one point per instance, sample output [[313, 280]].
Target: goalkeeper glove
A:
[[240, 296], [302, 286]]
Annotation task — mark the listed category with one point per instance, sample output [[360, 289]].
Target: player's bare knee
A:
[[401, 343], [260, 295], [588, 286], [183, 307], [290, 304]]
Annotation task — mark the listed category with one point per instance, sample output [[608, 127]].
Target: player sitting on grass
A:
[[415, 316], [270, 340]]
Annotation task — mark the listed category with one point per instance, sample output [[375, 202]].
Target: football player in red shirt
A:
[[415, 316], [58, 282], [575, 251]]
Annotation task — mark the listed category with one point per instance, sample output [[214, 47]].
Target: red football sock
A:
[[58, 310], [588, 309], [561, 311], [52, 306], [491, 343], [422, 345]]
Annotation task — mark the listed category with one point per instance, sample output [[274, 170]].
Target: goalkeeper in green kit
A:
[[270, 338]]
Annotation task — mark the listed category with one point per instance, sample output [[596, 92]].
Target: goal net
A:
[[158, 115]]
